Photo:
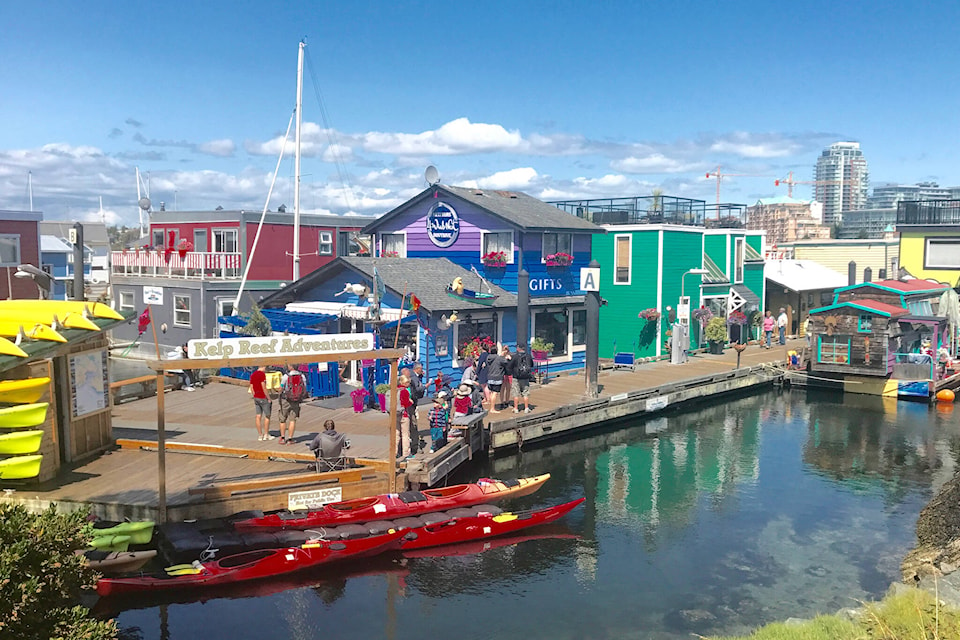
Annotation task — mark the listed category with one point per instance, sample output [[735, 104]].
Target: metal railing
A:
[[662, 209], [194, 265], [929, 212]]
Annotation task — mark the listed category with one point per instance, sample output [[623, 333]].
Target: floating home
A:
[[880, 338]]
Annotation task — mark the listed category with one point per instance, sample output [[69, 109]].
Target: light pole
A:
[[699, 272], [683, 309]]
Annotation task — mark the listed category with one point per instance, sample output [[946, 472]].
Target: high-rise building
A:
[[841, 180], [886, 196]]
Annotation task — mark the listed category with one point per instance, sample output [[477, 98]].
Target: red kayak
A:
[[252, 565], [482, 526], [389, 506]]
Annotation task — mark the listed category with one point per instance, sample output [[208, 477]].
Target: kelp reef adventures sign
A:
[[319, 345], [443, 225]]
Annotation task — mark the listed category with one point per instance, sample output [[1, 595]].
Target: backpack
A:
[[524, 367], [296, 389]]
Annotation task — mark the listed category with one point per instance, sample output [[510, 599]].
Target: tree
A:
[[41, 577], [257, 323]]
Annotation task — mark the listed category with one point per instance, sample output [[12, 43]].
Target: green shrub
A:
[[41, 577], [539, 344], [716, 330], [382, 388]]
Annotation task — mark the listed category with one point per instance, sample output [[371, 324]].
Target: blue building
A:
[[56, 256]]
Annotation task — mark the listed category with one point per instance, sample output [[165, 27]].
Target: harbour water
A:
[[711, 520]]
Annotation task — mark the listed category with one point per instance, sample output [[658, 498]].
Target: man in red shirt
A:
[[261, 402]]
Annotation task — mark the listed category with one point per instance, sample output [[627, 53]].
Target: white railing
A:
[[195, 265]]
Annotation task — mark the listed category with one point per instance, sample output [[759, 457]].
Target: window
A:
[[181, 311], [157, 237], [580, 327], [738, 260], [9, 249], [557, 243], [126, 301], [942, 253], [834, 350], [865, 324], [325, 247], [393, 245], [622, 248], [225, 240], [551, 326], [200, 240], [469, 329], [498, 241]]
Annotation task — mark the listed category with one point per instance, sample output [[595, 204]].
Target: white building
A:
[[841, 180]]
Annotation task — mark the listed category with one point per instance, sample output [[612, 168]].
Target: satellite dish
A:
[[432, 175], [144, 203]]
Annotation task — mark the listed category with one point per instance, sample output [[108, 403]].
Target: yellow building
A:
[[836, 255], [930, 239]]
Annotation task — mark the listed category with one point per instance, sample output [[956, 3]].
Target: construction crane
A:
[[720, 176], [789, 181]]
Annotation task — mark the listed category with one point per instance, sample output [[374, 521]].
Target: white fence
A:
[[196, 265]]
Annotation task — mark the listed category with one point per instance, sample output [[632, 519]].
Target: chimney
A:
[[163, 206], [852, 273]]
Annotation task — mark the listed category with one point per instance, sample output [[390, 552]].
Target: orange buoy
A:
[[945, 395]]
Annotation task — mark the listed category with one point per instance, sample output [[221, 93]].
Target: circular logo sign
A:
[[443, 225]]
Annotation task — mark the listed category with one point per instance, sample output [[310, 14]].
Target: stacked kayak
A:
[[20, 409], [397, 505]]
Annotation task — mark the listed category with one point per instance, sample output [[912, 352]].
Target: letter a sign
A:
[[590, 279]]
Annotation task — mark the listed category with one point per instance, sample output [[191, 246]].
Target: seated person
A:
[[329, 445], [462, 401]]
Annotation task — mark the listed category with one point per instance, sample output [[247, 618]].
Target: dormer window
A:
[[557, 243]]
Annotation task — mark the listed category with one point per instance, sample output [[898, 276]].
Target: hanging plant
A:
[[650, 315], [559, 259], [184, 246], [494, 259], [702, 315], [737, 318]]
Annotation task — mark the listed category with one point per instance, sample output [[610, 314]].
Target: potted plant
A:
[[716, 334], [390, 254], [540, 349], [474, 347], [382, 390], [738, 319], [494, 259], [358, 396], [650, 315], [184, 247], [559, 259]]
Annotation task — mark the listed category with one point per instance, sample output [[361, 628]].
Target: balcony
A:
[[929, 212], [661, 209], [194, 265]]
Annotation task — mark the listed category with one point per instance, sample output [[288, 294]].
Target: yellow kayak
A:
[[62, 307], [11, 329], [69, 319], [20, 467], [24, 415], [23, 391], [21, 442], [7, 348]]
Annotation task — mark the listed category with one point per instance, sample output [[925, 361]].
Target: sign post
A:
[[590, 282]]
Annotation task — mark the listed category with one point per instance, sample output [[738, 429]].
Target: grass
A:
[[913, 615]]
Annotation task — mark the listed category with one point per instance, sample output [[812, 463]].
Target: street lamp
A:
[[42, 278], [699, 272], [683, 311]]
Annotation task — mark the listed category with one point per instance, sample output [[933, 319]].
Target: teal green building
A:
[[658, 248]]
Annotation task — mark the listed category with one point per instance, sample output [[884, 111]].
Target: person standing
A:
[[522, 374], [261, 402], [496, 370], [782, 325], [407, 443], [469, 371], [439, 421], [293, 391], [768, 324], [806, 331], [417, 391]]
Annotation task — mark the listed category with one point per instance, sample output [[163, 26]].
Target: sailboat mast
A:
[[296, 168], [30, 187]]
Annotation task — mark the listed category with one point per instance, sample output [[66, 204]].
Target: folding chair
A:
[[329, 456]]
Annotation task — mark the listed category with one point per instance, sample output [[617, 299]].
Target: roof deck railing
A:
[[194, 265], [928, 212], [661, 209]]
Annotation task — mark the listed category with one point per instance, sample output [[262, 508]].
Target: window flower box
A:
[[390, 254], [494, 259], [559, 260]]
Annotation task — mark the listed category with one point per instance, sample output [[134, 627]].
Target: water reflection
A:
[[707, 521]]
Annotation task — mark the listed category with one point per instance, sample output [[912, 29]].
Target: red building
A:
[[19, 244], [199, 258]]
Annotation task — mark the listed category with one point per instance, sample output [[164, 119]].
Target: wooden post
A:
[[161, 453], [396, 336], [154, 327], [394, 416]]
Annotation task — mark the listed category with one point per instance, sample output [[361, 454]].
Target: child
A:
[[439, 422], [462, 402]]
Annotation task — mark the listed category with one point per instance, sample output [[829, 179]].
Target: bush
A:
[[382, 388], [539, 344], [41, 577], [716, 330]]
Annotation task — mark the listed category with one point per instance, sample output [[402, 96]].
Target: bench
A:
[[624, 360]]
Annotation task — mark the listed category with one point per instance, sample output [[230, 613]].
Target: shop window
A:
[[181, 311], [225, 240], [10, 249], [834, 350], [407, 339], [579, 327], [325, 246], [494, 241], [551, 326], [557, 243], [865, 324], [126, 301], [623, 246], [393, 245], [484, 331]]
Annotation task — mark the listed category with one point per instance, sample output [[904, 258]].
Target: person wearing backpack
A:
[[522, 374], [293, 391]]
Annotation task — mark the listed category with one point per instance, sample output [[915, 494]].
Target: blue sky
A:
[[558, 99]]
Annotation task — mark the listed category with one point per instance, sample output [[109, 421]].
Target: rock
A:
[[947, 568], [851, 614], [817, 571], [795, 622]]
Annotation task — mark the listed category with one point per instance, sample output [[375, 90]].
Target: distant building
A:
[[56, 254], [868, 223], [787, 219], [95, 239], [930, 239], [877, 254], [886, 196], [842, 180], [19, 244]]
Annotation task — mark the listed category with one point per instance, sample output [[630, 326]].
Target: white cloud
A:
[[456, 137], [222, 148], [512, 180], [654, 163]]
